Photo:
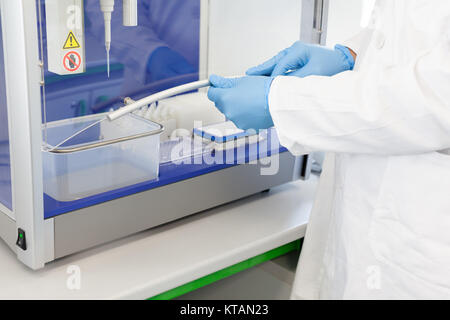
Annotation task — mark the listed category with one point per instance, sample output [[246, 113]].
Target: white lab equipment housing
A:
[[50, 238]]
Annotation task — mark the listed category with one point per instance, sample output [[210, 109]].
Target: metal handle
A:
[[105, 143], [318, 20]]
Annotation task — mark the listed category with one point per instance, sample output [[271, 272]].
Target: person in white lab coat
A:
[[381, 219]]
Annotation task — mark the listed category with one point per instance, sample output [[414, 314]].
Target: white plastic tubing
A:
[[156, 97]]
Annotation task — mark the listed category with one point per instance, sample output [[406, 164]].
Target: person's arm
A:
[[353, 53], [358, 43], [303, 59], [402, 109]]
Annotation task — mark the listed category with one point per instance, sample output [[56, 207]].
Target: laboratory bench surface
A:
[[167, 257]]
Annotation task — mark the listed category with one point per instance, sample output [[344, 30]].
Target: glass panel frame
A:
[[5, 154]]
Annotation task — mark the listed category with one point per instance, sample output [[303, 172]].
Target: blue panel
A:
[[5, 164], [200, 132], [162, 52], [169, 173]]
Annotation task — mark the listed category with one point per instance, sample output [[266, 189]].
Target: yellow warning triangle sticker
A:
[[71, 42]]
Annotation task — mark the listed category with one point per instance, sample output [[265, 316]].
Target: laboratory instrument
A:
[[77, 180]]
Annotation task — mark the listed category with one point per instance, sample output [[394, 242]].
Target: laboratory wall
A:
[[5, 163], [345, 19], [245, 33]]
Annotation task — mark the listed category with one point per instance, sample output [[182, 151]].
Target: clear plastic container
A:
[[107, 156]]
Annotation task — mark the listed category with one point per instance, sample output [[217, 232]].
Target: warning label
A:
[[71, 42], [72, 61]]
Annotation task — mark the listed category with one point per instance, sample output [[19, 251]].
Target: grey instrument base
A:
[[8, 230], [88, 227], [115, 219]]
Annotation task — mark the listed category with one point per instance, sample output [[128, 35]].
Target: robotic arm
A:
[[129, 19]]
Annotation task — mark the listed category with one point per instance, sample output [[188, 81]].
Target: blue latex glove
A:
[[166, 63], [302, 60], [243, 100]]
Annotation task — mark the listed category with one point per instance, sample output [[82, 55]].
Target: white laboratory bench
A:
[[166, 257]]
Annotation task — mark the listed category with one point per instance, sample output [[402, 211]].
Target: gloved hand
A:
[[302, 59], [166, 63], [243, 100]]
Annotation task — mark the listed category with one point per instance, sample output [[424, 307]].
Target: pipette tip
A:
[[107, 62]]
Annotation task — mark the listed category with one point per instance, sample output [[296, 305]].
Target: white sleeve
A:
[[400, 109], [359, 42]]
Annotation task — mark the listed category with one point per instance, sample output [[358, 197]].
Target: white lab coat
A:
[[380, 227]]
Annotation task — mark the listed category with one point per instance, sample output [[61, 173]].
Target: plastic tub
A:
[[108, 156]]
